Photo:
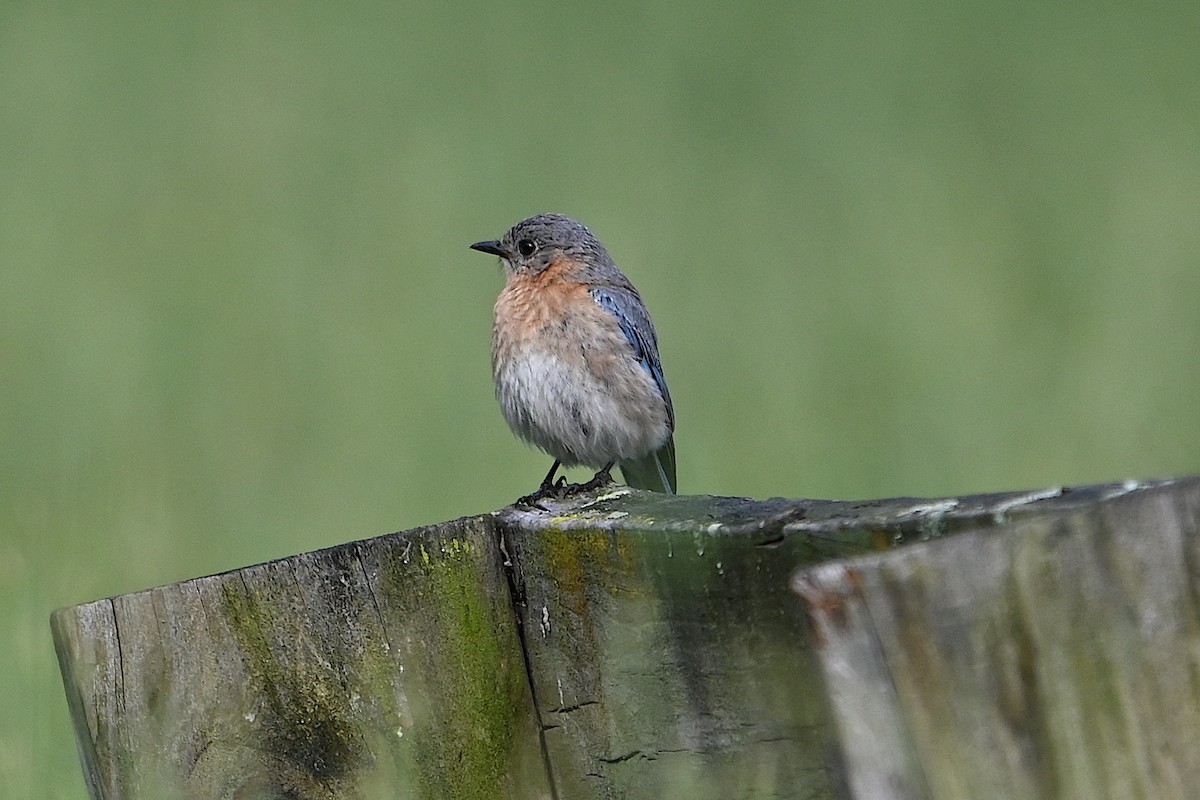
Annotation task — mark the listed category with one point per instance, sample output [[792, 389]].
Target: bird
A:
[[575, 359]]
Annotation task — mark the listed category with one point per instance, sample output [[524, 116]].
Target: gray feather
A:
[[654, 471]]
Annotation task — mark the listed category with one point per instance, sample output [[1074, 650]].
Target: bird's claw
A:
[[556, 489], [601, 479], [560, 489]]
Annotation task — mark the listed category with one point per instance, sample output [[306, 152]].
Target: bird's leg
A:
[[602, 478], [549, 488], [548, 481]]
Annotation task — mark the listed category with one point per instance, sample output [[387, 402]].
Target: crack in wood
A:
[[517, 599], [120, 684]]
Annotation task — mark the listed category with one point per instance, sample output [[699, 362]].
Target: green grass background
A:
[[930, 249]]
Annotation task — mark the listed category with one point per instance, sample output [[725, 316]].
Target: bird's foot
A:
[[560, 489], [549, 489], [601, 479]]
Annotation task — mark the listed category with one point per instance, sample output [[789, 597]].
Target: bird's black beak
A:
[[491, 246]]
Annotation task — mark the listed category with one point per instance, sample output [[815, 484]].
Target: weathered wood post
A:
[[631, 645]]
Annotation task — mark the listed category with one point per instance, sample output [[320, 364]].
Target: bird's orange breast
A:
[[531, 306]]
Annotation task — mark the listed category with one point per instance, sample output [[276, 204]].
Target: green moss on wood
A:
[[307, 723], [475, 685], [579, 559]]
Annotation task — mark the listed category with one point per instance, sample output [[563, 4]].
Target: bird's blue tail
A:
[[655, 472]]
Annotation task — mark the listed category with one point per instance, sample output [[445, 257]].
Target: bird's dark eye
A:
[[526, 247]]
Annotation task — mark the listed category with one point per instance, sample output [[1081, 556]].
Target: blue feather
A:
[[626, 307], [654, 471]]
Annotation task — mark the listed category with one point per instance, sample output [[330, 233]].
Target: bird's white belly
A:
[[567, 411]]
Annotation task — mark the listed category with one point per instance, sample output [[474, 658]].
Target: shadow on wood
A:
[[633, 645]]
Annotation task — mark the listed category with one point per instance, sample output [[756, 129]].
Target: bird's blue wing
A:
[[630, 313], [654, 471]]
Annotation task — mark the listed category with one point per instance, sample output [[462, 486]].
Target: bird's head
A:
[[534, 244]]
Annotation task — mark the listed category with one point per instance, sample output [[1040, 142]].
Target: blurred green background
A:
[[943, 248]]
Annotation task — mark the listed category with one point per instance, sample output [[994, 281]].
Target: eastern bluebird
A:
[[575, 357]]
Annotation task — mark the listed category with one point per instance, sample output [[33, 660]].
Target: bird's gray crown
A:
[[538, 241]]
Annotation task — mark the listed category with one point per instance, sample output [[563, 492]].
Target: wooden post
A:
[[1053, 655], [632, 645], [386, 668]]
